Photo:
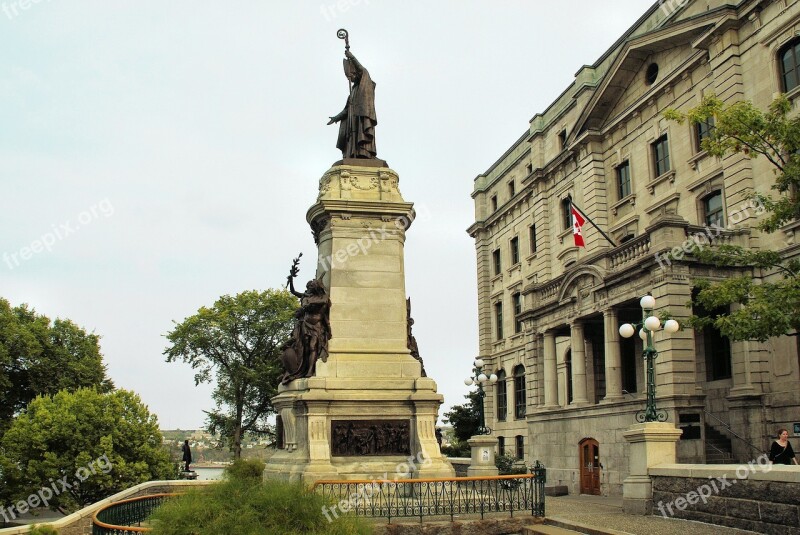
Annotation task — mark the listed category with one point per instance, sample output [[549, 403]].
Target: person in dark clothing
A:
[[781, 451], [187, 455]]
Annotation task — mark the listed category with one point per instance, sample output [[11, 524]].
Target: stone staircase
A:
[[718, 447]]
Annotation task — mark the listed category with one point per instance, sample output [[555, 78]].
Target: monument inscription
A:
[[370, 437]]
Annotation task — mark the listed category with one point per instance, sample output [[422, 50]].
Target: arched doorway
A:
[[589, 453]]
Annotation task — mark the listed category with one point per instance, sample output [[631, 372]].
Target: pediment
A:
[[673, 46]]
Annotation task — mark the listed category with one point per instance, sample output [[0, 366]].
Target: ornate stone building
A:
[[549, 312]]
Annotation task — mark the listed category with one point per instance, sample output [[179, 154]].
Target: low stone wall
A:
[[756, 497], [80, 522], [460, 465]]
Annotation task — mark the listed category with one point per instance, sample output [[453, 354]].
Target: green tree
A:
[[38, 356], [466, 418], [239, 338], [764, 308], [81, 446]]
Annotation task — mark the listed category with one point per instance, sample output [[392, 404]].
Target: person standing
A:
[[781, 451], [187, 455]]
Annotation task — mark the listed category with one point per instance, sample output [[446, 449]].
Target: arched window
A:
[[502, 396], [789, 64], [519, 392]]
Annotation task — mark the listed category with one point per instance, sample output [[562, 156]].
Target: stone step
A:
[[544, 529]]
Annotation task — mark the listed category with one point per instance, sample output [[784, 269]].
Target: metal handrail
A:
[[728, 427], [111, 519], [382, 498]]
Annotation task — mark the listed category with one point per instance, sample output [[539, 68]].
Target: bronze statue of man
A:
[[357, 120]]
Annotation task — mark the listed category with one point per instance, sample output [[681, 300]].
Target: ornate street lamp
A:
[[480, 378], [647, 327]]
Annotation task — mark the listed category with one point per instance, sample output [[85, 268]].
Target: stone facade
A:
[[549, 311]]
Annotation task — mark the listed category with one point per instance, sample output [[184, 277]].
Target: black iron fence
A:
[[126, 516], [458, 496]]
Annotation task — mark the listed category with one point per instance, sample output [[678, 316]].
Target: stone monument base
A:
[[357, 430], [483, 452]]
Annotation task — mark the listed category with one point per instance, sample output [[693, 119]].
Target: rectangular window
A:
[[702, 131], [498, 316], [519, 392], [624, 180], [566, 213], [514, 250], [529, 169], [661, 155], [501, 445], [562, 140], [712, 208], [502, 396], [532, 233], [494, 203], [517, 297], [498, 265], [520, 446], [512, 189]]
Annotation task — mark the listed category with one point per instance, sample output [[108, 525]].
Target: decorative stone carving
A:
[[370, 437], [289, 429]]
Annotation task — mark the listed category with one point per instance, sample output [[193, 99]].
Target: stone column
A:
[[651, 444], [578, 347], [613, 356], [550, 375]]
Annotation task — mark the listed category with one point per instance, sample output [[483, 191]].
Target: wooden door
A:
[[589, 452]]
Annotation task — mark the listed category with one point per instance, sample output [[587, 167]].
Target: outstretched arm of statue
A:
[[339, 116], [290, 279], [354, 61]]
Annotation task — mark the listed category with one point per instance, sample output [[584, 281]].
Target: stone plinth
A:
[[651, 444], [359, 222], [482, 460]]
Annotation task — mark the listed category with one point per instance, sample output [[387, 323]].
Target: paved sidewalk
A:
[[605, 513]]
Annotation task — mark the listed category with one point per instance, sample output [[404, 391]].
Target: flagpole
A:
[[589, 219]]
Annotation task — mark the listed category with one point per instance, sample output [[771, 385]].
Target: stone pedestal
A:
[[482, 460], [651, 444], [359, 223]]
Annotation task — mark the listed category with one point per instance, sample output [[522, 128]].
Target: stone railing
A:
[[756, 496], [629, 251], [80, 522]]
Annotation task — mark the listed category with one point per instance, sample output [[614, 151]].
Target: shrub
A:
[[459, 449], [242, 504], [43, 529], [507, 465], [245, 469]]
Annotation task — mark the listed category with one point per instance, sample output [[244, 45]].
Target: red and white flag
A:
[[577, 223]]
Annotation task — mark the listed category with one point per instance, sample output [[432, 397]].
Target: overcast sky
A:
[[167, 153]]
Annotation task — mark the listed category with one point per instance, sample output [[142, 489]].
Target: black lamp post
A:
[[646, 328], [480, 378]]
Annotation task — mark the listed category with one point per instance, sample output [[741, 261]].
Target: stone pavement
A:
[[605, 515]]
